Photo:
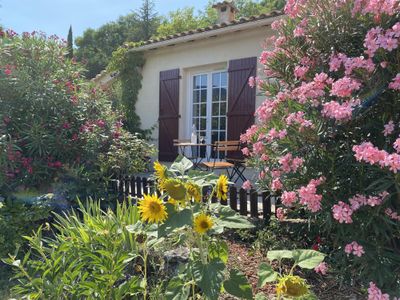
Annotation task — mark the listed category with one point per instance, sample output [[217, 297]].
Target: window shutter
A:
[[241, 97], [168, 121]]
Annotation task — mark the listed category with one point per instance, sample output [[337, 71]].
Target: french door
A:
[[209, 105]]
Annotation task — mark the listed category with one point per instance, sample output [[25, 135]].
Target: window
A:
[[209, 105]]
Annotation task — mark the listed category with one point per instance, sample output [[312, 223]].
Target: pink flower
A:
[[340, 112], [300, 71], [344, 87], [8, 72], [258, 148], [246, 151], [374, 293], [358, 201], [264, 157], [342, 212], [392, 214], [354, 248], [66, 125], [322, 268], [389, 128], [101, 123], [288, 198], [395, 84], [276, 184], [309, 197], [396, 145], [252, 81], [280, 213], [246, 185], [298, 31]]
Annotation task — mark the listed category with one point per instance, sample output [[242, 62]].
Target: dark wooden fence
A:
[[248, 203]]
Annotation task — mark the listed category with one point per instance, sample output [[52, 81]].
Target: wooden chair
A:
[[239, 163], [223, 147]]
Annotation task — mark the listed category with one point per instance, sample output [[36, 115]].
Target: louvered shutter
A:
[[168, 114], [241, 97]]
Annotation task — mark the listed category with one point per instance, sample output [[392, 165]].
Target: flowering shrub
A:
[[52, 120], [327, 137]]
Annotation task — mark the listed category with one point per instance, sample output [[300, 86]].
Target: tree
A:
[[148, 20], [70, 42]]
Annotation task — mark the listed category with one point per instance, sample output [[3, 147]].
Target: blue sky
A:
[[55, 16]]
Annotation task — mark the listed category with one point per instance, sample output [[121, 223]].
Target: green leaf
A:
[[279, 254], [176, 219], [266, 274], [237, 285], [231, 219], [219, 249], [209, 277], [181, 165], [308, 259], [260, 296], [176, 290]]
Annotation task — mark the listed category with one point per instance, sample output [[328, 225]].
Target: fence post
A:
[[253, 203], [145, 186], [139, 187], [120, 188], [266, 203], [133, 186], [243, 202], [233, 197]]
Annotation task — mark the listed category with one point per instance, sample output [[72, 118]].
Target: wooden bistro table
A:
[[198, 152]]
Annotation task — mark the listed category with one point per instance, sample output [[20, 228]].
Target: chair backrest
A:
[[227, 146]]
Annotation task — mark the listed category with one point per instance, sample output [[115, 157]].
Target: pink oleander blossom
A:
[[293, 7], [344, 87], [396, 145], [246, 151], [252, 81], [276, 184], [392, 214], [322, 268], [374, 293], [288, 198], [300, 71], [280, 213], [246, 185], [258, 148], [389, 128], [337, 111], [395, 84], [354, 248], [309, 197], [342, 212]]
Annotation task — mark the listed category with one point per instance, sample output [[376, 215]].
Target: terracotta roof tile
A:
[[241, 20]]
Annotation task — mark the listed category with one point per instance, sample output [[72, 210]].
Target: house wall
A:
[[193, 57]]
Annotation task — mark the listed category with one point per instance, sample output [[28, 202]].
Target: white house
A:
[[201, 77]]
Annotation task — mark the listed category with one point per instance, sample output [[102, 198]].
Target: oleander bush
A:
[[327, 138], [53, 122]]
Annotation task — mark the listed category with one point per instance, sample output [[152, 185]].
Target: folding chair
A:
[[236, 158], [222, 147]]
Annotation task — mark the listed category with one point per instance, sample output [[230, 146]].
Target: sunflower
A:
[[292, 286], [202, 223], [161, 172], [175, 189], [194, 191], [152, 209], [222, 187]]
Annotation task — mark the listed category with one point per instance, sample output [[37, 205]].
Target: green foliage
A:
[[96, 47], [89, 257], [17, 220], [54, 121]]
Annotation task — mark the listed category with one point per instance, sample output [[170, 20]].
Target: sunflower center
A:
[[155, 207], [204, 224]]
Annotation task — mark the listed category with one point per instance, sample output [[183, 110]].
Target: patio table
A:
[[196, 153]]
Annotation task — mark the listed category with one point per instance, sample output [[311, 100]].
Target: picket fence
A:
[[248, 203]]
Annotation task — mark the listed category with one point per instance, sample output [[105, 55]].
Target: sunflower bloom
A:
[[292, 286], [202, 223], [161, 172], [152, 209], [175, 189], [194, 191], [222, 187]]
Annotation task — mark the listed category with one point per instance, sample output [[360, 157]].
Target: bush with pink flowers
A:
[[328, 138], [53, 122]]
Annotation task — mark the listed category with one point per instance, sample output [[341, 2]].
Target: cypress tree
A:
[[70, 44]]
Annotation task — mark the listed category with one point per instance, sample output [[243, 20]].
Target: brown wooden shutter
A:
[[241, 97], [168, 120]]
